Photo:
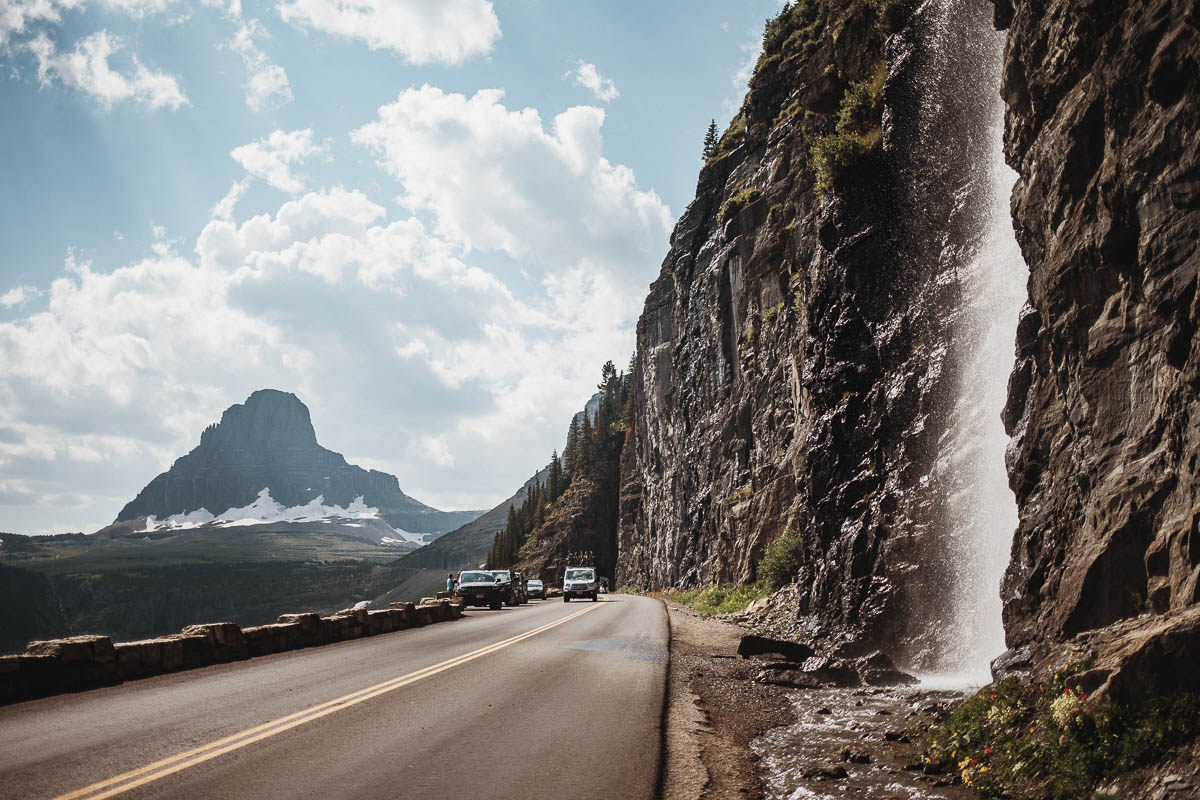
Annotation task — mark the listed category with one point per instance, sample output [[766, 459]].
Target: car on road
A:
[[508, 586], [480, 588], [580, 582], [536, 588]]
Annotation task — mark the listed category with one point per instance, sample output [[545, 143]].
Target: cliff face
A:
[[1103, 114], [269, 442], [795, 355]]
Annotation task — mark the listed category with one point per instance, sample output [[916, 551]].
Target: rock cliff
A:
[[1103, 114], [269, 443], [795, 356]]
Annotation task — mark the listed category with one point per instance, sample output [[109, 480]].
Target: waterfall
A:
[[979, 513], [957, 209]]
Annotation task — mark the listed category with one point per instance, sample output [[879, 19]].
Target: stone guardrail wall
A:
[[83, 662]]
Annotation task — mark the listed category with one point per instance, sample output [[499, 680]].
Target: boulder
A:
[[76, 649], [752, 645], [1140, 658]]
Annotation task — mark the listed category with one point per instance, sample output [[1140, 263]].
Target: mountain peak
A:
[[269, 421], [268, 443]]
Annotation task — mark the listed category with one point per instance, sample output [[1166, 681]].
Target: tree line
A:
[[593, 442]]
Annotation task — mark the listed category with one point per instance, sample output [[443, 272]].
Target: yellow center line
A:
[[189, 758]]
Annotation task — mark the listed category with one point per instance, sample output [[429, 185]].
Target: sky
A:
[[431, 220]]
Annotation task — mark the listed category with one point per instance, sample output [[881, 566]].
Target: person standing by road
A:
[[450, 582]]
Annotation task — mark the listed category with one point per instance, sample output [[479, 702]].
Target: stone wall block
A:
[[309, 622], [81, 662], [137, 659]]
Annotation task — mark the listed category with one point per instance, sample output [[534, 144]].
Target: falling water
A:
[[980, 513]]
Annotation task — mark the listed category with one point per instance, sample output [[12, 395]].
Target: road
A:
[[548, 699]]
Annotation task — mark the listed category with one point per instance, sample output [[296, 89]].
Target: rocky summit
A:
[[262, 459]]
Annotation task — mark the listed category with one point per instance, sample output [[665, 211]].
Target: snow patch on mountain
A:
[[265, 510]]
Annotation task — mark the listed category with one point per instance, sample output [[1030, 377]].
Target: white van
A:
[[580, 582]]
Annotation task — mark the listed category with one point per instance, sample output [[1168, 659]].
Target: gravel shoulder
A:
[[716, 711], [732, 735]]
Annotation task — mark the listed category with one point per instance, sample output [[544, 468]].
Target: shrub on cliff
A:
[[782, 560]]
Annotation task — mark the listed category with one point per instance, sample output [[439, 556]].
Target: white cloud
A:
[[496, 179], [422, 31], [137, 8], [224, 207], [270, 158], [86, 69], [267, 83], [751, 50], [587, 76], [413, 357], [337, 234], [17, 15], [18, 296], [435, 450]]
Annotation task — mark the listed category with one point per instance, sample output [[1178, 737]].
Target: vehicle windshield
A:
[[535, 583], [581, 575], [501, 573], [476, 577]]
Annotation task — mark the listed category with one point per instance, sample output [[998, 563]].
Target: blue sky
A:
[[433, 220]]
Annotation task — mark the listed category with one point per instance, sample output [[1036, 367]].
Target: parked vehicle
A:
[[504, 579], [536, 588], [479, 588], [580, 582]]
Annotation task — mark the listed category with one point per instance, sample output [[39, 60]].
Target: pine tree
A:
[[571, 454], [554, 482], [710, 140], [587, 446]]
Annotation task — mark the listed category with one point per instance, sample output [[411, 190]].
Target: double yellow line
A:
[[190, 758]]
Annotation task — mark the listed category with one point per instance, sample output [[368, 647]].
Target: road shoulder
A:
[[714, 712]]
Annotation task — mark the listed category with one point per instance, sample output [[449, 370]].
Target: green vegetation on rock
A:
[[782, 559], [734, 204], [856, 134], [1044, 740], [716, 599]]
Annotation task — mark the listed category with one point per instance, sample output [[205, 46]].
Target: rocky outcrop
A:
[[269, 443], [795, 356], [580, 529], [1103, 114]]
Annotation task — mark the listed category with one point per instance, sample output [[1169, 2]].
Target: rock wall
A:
[[1103, 121], [795, 356]]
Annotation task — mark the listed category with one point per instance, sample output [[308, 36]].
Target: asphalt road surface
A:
[[545, 700]]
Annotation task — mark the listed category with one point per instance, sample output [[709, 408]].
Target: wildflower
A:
[[987, 751]]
